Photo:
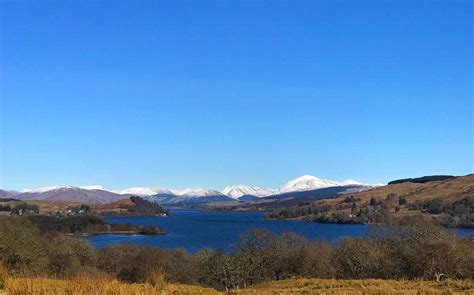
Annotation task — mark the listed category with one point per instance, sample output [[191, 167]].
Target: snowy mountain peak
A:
[[352, 182], [307, 182], [48, 188], [306, 177], [237, 191], [93, 187], [199, 192], [143, 191]]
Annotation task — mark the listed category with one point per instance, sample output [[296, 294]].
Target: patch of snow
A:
[[352, 182], [307, 182], [199, 192], [143, 191], [93, 187], [48, 188], [237, 191]]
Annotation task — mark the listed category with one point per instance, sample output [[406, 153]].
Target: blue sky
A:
[[214, 93]]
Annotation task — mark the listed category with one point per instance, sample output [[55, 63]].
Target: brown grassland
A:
[[450, 190], [86, 285], [366, 286]]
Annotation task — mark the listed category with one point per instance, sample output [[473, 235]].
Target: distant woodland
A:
[[423, 179]]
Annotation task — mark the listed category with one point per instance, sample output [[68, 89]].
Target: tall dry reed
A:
[[87, 285]]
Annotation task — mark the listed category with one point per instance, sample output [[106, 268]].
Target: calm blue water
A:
[[194, 230]]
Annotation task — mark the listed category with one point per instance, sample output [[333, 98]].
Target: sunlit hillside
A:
[[447, 201]]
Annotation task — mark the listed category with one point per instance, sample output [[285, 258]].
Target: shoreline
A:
[[131, 233]]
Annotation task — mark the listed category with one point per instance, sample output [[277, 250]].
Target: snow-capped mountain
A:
[[238, 191], [139, 191], [352, 182], [143, 191], [94, 187], [199, 192], [307, 182], [70, 193], [189, 196], [47, 189]]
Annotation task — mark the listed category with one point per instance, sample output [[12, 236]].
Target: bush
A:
[[360, 258], [133, 263]]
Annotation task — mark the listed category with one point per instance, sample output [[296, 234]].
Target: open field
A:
[[88, 285], [45, 207], [329, 286]]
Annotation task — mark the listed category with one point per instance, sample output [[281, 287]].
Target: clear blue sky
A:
[[208, 94]]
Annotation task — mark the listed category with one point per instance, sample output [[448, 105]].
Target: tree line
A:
[[410, 249], [423, 179], [350, 210], [87, 225]]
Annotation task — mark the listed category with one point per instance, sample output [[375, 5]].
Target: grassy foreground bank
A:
[[102, 285]]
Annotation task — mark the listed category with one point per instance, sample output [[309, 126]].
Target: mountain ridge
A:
[[99, 194]]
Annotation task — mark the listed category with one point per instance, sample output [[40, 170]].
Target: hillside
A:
[[450, 190], [450, 201], [70, 193]]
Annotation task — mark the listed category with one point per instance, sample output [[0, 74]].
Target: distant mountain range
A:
[[98, 194], [7, 194], [70, 193], [303, 183]]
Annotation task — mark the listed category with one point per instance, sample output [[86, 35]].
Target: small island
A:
[[87, 225]]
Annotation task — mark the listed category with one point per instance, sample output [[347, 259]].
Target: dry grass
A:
[[94, 285], [320, 286], [102, 285], [451, 190], [3, 275]]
